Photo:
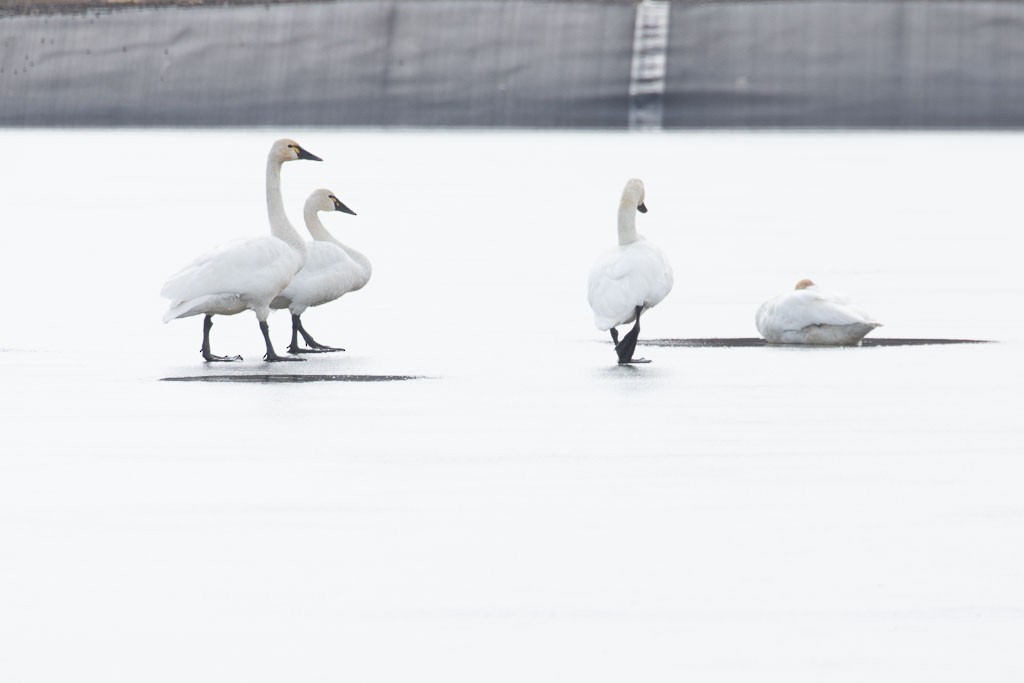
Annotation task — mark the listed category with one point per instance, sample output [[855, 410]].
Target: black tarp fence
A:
[[519, 63]]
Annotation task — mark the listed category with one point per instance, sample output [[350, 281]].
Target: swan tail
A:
[[211, 303], [178, 309]]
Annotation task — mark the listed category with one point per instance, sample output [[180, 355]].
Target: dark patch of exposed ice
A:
[[294, 379], [754, 341]]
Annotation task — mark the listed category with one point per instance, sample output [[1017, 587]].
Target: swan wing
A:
[[826, 308], [253, 268], [328, 274]]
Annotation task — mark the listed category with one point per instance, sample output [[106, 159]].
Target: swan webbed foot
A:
[[205, 348], [321, 348], [627, 346], [210, 358], [298, 349], [274, 358], [271, 356], [313, 344]]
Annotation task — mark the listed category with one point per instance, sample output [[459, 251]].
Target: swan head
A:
[[633, 195], [804, 284], [325, 200], [288, 150]]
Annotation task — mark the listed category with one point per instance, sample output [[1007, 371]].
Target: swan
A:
[[245, 274], [331, 271], [629, 279], [808, 315]]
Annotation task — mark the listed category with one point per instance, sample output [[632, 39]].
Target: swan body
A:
[[626, 277], [630, 278], [809, 315], [246, 274], [331, 270], [237, 276]]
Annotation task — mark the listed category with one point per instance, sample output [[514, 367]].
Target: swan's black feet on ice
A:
[[210, 358], [627, 346], [205, 348], [271, 356], [274, 358], [299, 349], [321, 348], [313, 344]]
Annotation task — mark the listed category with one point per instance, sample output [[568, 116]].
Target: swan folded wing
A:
[[623, 279], [328, 274], [316, 287], [802, 309], [256, 268]]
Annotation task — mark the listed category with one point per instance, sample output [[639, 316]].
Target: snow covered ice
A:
[[525, 509]]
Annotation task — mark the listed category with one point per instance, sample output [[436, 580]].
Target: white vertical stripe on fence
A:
[[647, 78]]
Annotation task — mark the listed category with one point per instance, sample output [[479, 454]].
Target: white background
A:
[[529, 510]]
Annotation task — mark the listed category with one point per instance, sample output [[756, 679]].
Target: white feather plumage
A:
[[239, 275], [635, 273], [245, 274], [809, 315], [331, 269]]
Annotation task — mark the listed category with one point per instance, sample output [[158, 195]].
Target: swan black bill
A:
[[338, 206], [303, 154], [642, 208]]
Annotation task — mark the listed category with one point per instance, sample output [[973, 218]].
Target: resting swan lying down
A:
[[809, 315]]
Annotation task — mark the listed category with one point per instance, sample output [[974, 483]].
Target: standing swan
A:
[[331, 271], [629, 279], [245, 274], [808, 315]]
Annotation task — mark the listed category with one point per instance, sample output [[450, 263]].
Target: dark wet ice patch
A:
[[742, 342], [290, 379]]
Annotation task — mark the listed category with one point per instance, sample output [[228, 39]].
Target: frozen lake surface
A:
[[513, 506]]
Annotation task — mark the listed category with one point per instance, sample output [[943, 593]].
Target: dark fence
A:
[[520, 63]]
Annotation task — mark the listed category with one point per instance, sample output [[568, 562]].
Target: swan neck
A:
[[320, 234], [316, 229], [627, 223], [280, 227]]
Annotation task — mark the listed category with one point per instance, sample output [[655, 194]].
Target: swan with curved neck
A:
[[809, 315], [332, 270], [628, 279], [247, 274]]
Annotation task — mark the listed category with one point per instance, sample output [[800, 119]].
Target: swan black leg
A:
[[615, 336], [271, 356], [210, 358], [627, 346], [314, 345], [294, 346]]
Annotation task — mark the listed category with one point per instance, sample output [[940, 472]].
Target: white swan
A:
[[245, 274], [809, 315], [629, 279], [331, 271]]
